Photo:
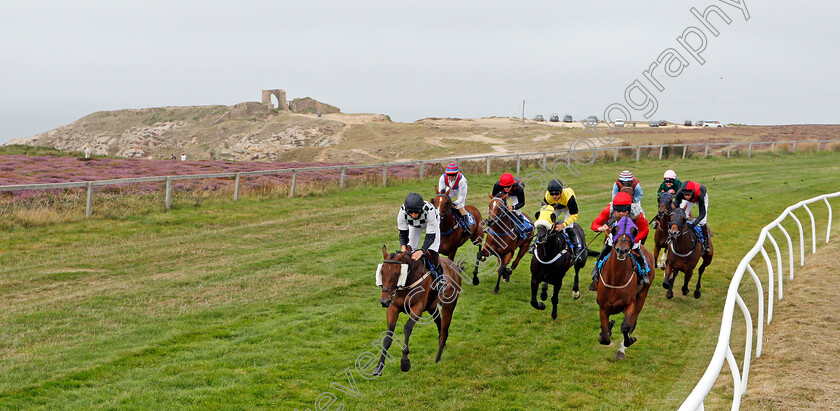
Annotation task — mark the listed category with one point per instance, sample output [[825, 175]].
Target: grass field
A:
[[266, 302]]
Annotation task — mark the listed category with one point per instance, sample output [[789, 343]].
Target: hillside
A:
[[255, 131]]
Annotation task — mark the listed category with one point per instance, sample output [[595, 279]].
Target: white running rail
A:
[[723, 349]]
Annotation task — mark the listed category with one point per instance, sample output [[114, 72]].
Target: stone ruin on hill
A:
[[298, 105]]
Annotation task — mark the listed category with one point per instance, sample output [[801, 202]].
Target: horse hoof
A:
[[619, 355], [538, 305], [554, 315], [575, 294], [603, 341], [496, 291], [630, 341], [665, 285], [684, 291], [544, 295], [405, 365], [697, 294], [669, 295], [475, 280]]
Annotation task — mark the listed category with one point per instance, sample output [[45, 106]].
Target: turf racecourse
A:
[[266, 302]]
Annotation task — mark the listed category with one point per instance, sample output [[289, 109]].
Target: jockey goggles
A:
[[621, 208], [554, 193], [670, 180]]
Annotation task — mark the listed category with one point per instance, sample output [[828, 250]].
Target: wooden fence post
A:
[[294, 183], [488, 166], [818, 146], [422, 169], [749, 150], [236, 188], [89, 207], [168, 193], [638, 152], [384, 175], [660, 152], [794, 146], [685, 147], [706, 154], [343, 178], [615, 156], [518, 163], [728, 149], [773, 147]]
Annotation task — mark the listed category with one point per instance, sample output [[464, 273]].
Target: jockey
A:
[[508, 185], [695, 193], [564, 203], [626, 179], [670, 184], [453, 180], [415, 216], [610, 215]]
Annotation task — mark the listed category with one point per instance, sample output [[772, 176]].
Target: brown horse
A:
[[452, 234], [553, 258], [502, 239], [618, 290], [660, 237], [684, 251], [408, 288]]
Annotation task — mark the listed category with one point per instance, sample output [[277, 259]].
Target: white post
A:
[[89, 207], [384, 175], [236, 188], [638, 152], [728, 149], [168, 193], [685, 147], [706, 154], [660, 152], [749, 151], [615, 156], [794, 146], [518, 163], [422, 169], [343, 178], [294, 183], [488, 166]]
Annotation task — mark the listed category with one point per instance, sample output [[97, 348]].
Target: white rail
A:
[[723, 351]]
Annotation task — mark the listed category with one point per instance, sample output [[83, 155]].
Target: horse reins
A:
[[403, 288]]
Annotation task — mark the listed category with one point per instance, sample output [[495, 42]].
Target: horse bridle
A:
[[494, 220], [682, 231], [393, 290], [443, 213]]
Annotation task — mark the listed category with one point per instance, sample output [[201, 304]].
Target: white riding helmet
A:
[[670, 174]]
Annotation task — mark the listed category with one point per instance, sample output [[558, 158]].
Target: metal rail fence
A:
[[723, 350], [681, 150]]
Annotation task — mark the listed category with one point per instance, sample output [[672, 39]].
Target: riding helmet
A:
[[625, 175], [506, 180], [413, 203], [555, 187], [670, 175], [622, 198]]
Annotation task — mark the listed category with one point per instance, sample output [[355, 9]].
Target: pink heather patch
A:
[[19, 169]]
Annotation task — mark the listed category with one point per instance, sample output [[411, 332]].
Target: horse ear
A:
[[436, 190], [614, 230], [504, 197], [634, 231], [490, 195], [384, 251], [553, 218]]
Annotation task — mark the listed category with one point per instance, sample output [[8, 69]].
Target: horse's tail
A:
[[591, 253]]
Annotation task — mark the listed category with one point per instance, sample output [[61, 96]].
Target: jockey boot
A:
[[462, 219], [596, 271], [705, 238], [644, 275]]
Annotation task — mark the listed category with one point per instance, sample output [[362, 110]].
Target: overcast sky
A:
[[410, 60]]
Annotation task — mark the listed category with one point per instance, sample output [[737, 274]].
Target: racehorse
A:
[[502, 239], [407, 287], [618, 290], [684, 250], [452, 234], [660, 237], [552, 259]]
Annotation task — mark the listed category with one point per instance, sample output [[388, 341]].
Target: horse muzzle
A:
[[385, 302]]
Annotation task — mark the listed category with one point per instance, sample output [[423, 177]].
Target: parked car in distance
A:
[[567, 118], [699, 123], [619, 122], [715, 124], [687, 123], [663, 123], [554, 118], [654, 123], [539, 117], [592, 120]]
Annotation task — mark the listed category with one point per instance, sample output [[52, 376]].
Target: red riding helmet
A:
[[622, 198], [506, 180]]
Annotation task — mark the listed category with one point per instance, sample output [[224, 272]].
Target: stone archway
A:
[[280, 95]]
